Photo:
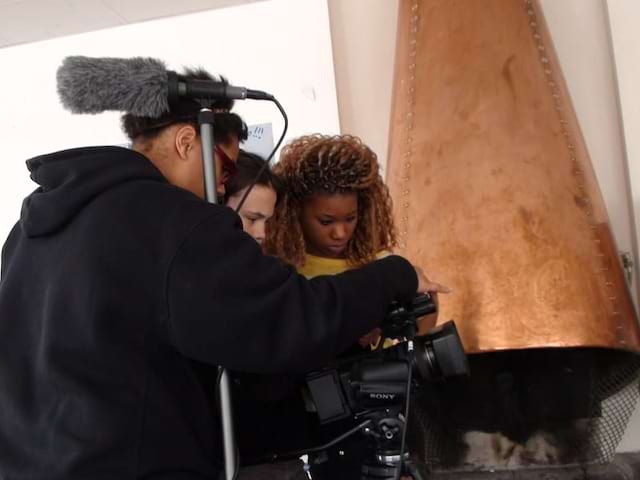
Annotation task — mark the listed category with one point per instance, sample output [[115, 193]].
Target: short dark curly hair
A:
[[227, 124]]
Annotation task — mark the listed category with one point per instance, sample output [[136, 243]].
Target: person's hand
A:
[[426, 285], [432, 288]]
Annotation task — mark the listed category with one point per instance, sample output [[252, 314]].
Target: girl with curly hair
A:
[[336, 212]]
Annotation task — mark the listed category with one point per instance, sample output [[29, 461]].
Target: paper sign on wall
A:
[[260, 140]]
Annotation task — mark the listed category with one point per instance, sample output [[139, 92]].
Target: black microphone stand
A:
[[206, 119]]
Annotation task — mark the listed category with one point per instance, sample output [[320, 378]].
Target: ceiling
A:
[[23, 21]]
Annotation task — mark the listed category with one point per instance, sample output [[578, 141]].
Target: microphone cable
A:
[[267, 164]]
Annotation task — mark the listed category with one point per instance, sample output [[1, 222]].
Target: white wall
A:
[[581, 35], [580, 32], [624, 18], [364, 32], [250, 44]]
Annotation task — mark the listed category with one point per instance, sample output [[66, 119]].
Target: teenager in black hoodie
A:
[[119, 276]]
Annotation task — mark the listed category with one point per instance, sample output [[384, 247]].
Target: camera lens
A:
[[440, 354]]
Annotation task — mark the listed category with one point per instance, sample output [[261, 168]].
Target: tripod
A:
[[206, 119]]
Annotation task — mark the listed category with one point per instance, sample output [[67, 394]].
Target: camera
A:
[[377, 380], [374, 388]]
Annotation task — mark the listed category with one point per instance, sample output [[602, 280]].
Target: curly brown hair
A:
[[331, 164]]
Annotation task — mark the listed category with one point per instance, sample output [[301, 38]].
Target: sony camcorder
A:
[[377, 380]]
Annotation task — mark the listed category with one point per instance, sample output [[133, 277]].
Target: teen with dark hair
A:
[[118, 277], [259, 204], [259, 400]]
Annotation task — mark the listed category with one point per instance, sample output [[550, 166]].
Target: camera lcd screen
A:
[[328, 397]]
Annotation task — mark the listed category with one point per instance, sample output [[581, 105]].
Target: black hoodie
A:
[[113, 282]]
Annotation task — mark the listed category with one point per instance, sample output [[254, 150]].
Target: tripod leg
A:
[[413, 470]]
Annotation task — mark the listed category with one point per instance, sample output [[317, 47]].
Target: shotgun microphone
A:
[[141, 86]]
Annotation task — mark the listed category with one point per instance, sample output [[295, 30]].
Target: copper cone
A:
[[494, 191]]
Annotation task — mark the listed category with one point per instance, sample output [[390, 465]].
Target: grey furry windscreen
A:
[[93, 85]]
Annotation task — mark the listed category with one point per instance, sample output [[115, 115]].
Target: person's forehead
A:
[[334, 204], [261, 198]]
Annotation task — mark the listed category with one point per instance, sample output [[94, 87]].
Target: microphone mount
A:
[[198, 89]]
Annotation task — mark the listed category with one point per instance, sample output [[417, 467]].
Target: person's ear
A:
[[185, 141]]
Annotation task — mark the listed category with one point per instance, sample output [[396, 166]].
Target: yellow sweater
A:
[[315, 266]]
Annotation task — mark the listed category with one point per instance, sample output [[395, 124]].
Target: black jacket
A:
[[113, 282]]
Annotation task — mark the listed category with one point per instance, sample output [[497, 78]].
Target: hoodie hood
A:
[[70, 179]]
